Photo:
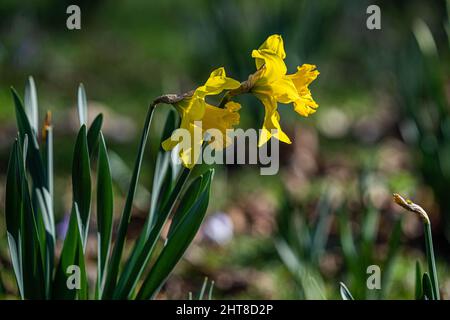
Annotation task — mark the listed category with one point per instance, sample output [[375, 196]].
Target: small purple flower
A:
[[62, 226], [218, 228]]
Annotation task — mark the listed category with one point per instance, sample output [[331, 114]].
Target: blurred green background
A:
[[383, 126]]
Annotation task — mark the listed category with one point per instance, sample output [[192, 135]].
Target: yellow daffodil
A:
[[271, 85], [197, 116]]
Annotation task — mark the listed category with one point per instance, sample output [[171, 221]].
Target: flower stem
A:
[[430, 258], [415, 208]]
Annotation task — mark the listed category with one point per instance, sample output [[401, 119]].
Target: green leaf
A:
[[177, 243], [43, 210], [35, 166], [187, 201], [161, 185], [139, 258], [13, 214], [93, 134], [113, 268], [81, 181], [105, 205], [163, 197], [71, 255], [31, 105], [82, 105], [345, 293], [29, 245], [419, 290], [427, 287]]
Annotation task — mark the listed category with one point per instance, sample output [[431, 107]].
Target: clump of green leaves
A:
[[30, 218]]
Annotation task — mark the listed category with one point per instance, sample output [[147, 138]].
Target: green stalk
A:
[[48, 137], [415, 208], [113, 269], [430, 258], [48, 140]]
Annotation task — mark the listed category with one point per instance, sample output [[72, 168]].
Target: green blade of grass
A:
[[105, 205], [202, 291], [177, 243], [210, 292]]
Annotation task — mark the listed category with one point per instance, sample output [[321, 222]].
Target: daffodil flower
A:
[[197, 116], [271, 85]]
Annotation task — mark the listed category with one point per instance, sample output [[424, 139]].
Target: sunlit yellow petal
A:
[[274, 43], [217, 82], [305, 104], [194, 108], [283, 90], [271, 126], [275, 68], [305, 74]]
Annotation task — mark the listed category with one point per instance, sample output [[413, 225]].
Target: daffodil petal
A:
[[305, 104], [271, 126], [221, 119], [275, 68], [274, 43], [305, 74], [217, 82]]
